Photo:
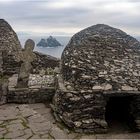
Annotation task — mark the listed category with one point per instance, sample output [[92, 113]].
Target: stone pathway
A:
[[35, 121]]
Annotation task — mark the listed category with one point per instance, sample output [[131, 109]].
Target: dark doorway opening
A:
[[118, 114]]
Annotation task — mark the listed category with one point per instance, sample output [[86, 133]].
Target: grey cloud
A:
[[28, 13]]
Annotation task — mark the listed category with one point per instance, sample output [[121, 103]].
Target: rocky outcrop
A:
[[99, 62], [49, 42]]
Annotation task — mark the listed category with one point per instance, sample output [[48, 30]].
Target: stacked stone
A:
[[41, 80], [10, 66], [36, 92], [10, 46], [44, 61], [3, 91], [9, 40], [99, 61], [1, 63], [82, 111], [102, 56]]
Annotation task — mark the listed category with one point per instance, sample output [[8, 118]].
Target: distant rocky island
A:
[[49, 42]]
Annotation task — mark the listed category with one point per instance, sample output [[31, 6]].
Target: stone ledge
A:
[[34, 93], [30, 95]]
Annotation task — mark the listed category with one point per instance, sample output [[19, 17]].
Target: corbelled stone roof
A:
[[102, 58], [8, 39]]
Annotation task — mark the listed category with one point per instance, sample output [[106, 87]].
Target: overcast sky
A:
[[66, 17]]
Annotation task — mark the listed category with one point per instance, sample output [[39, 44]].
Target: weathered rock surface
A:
[[98, 63], [49, 42]]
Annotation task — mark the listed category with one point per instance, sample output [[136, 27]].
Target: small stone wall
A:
[[45, 61], [35, 95], [37, 92]]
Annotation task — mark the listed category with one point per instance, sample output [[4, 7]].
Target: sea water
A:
[[53, 51]]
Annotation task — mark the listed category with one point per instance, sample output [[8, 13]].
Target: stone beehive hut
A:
[[99, 80], [10, 48]]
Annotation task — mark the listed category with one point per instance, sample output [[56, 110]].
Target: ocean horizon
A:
[[53, 51]]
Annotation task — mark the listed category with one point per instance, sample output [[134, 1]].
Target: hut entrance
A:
[[118, 114]]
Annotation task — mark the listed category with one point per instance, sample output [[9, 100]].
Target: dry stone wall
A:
[[44, 61], [40, 89], [102, 57], [10, 48], [98, 63]]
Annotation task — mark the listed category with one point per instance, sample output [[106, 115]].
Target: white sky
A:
[[66, 17]]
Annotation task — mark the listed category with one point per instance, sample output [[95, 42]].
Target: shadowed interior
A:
[[118, 114]]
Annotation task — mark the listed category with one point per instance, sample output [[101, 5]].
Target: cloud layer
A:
[[70, 16]]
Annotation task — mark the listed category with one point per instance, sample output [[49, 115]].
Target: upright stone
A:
[[27, 58]]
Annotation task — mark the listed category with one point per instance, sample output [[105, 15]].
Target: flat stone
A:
[[46, 136], [2, 133], [27, 112], [48, 129], [127, 88], [40, 127], [77, 123], [2, 129], [108, 87], [57, 133], [73, 135], [28, 134], [1, 122], [35, 137], [17, 121], [37, 106], [8, 117], [14, 134], [97, 88], [15, 127], [36, 118], [86, 137]]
